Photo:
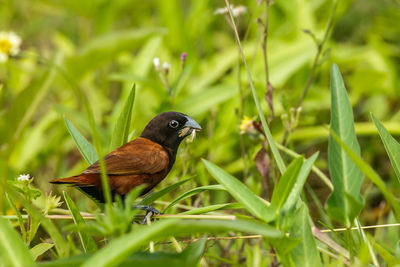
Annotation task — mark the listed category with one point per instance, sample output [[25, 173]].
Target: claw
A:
[[150, 211]]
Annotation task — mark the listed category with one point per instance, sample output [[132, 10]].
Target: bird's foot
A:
[[150, 211]]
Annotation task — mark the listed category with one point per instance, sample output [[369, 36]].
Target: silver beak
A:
[[192, 124], [190, 127]]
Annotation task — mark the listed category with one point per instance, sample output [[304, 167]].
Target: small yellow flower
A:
[[246, 126], [10, 44]]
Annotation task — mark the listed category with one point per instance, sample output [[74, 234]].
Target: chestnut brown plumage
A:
[[145, 160]]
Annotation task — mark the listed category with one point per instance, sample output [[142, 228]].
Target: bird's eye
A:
[[173, 123]]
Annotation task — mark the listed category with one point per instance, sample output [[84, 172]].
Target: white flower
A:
[[166, 66], [10, 44], [236, 11], [156, 63], [24, 177], [239, 10]]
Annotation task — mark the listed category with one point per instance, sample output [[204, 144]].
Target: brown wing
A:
[[140, 161], [140, 156]]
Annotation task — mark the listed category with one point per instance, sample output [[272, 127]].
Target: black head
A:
[[170, 128]]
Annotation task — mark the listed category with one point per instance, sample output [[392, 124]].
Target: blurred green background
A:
[[103, 47]]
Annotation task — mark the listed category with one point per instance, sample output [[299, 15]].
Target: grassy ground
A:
[[284, 93]]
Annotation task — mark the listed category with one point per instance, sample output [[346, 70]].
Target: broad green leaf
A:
[[13, 251], [391, 145], [88, 243], [294, 195], [192, 192], [39, 249], [148, 200], [370, 174], [119, 249], [286, 184], [86, 149], [58, 240], [345, 175], [306, 253], [121, 130], [241, 193]]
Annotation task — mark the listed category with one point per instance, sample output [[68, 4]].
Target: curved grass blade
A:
[[88, 243], [13, 251], [370, 174], [121, 130], [391, 145], [192, 192], [294, 195], [86, 149], [210, 208], [119, 249], [148, 200], [345, 175], [241, 193], [39, 249]]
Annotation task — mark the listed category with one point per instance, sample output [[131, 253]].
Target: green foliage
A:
[[241, 193], [286, 184], [346, 202], [13, 251], [121, 130], [391, 145], [88, 243], [78, 61], [86, 149]]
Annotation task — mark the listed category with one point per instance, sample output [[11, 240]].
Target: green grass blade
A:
[[13, 251], [39, 249], [389, 259], [119, 249], [215, 207], [285, 184], [391, 145], [86, 149], [58, 240], [345, 175], [241, 193], [148, 200], [370, 174], [294, 195], [306, 253], [192, 192], [121, 130], [88, 243]]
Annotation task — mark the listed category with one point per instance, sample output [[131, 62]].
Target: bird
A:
[[146, 160]]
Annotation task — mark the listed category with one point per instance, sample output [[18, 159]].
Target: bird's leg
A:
[[149, 210]]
